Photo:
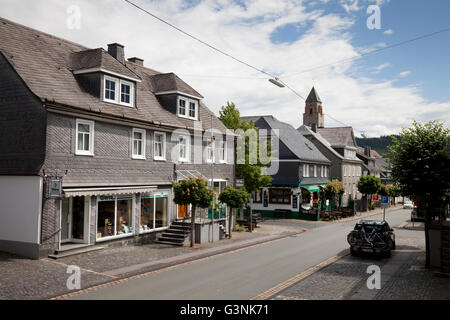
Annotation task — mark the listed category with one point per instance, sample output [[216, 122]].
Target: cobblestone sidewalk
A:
[[403, 276], [40, 279]]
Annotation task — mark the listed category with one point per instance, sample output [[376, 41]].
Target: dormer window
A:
[[188, 108], [118, 91]]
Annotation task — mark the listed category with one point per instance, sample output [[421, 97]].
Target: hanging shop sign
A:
[[54, 188]]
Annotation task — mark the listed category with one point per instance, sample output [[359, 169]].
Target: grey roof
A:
[[313, 96], [98, 58], [294, 140], [338, 136], [45, 63], [171, 82], [305, 130]]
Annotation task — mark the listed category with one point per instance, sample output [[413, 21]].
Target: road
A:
[[242, 274]]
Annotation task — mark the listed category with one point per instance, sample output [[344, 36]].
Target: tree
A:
[[333, 189], [383, 191], [252, 174], [369, 185], [234, 198], [420, 163], [194, 192]]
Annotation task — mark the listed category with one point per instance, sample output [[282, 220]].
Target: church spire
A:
[[313, 96], [313, 115]]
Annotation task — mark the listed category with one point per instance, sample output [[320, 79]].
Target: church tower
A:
[[313, 115]]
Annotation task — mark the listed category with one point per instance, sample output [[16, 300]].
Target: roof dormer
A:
[[176, 95], [105, 76]]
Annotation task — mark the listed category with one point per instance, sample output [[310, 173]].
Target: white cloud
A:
[[404, 74], [375, 106], [388, 32]]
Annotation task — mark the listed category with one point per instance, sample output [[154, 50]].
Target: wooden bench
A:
[[256, 218]]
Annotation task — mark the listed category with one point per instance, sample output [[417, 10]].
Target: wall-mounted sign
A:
[[265, 199], [54, 188], [294, 201], [239, 182]]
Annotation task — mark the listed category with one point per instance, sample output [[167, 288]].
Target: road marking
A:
[[146, 274], [87, 270], [280, 287]]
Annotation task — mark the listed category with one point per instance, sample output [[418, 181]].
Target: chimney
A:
[[137, 60], [314, 127], [117, 51], [367, 150]]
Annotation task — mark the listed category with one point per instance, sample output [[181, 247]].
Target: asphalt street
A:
[[245, 273]]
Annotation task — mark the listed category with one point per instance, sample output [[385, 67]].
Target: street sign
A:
[[384, 201]]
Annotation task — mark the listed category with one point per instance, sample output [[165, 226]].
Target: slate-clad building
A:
[[302, 172], [336, 143], [91, 142]]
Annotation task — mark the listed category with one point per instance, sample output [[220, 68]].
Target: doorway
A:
[[74, 220]]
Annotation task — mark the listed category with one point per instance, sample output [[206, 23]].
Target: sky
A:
[[302, 42]]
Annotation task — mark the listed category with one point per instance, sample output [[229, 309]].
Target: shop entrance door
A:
[[73, 220], [182, 211]]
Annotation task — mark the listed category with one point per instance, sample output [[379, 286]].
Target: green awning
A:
[[323, 185], [313, 188]]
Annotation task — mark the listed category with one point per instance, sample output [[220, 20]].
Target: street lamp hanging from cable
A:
[[277, 82]]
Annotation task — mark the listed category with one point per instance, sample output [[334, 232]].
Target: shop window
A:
[[124, 216], [280, 196], [114, 216], [257, 196], [154, 210], [161, 212]]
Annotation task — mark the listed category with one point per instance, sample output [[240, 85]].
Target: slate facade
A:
[[79, 169]]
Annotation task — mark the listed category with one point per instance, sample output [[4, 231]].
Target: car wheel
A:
[[353, 252], [393, 246], [387, 254]]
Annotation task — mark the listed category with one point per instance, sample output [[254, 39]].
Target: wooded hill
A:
[[379, 144]]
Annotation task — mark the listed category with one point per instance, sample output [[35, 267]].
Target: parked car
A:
[[408, 205], [416, 215], [372, 237]]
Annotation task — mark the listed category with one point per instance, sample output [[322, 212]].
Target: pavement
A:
[[403, 275], [24, 278], [236, 268]]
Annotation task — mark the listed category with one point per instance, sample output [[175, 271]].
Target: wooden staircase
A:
[[445, 250], [177, 234]]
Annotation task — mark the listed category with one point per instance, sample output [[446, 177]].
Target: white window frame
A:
[[306, 170], [187, 108], [315, 170], [224, 160], [116, 92], [90, 152], [325, 172], [210, 147], [128, 83], [188, 144], [143, 141], [163, 146]]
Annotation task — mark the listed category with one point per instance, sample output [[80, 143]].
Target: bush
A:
[[238, 228], [371, 206]]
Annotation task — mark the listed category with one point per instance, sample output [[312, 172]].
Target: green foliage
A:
[[239, 228], [333, 189], [253, 176], [420, 161], [371, 206], [379, 144], [234, 198], [193, 191], [369, 184], [395, 191], [383, 191], [230, 116]]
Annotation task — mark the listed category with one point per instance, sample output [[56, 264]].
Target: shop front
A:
[[94, 216]]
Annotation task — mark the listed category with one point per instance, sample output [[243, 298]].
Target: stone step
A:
[[171, 239], [181, 223], [179, 227], [67, 253], [170, 243], [177, 231], [168, 234]]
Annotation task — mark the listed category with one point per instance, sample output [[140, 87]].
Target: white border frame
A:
[[188, 149], [131, 84], [91, 137], [133, 209], [144, 142], [116, 92], [188, 101], [155, 157]]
